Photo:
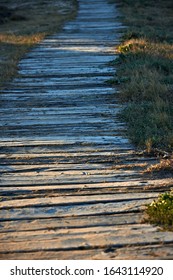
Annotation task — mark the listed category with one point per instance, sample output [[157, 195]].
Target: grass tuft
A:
[[165, 165], [160, 211]]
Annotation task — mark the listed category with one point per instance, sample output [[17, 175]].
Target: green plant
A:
[[160, 211]]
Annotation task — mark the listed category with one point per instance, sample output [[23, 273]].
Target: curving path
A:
[[71, 185]]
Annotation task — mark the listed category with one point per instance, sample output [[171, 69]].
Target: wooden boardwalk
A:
[[71, 185]]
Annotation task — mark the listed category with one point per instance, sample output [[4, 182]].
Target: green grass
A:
[[30, 21], [160, 211], [145, 78], [145, 72]]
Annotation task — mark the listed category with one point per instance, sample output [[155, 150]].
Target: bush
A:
[[160, 211]]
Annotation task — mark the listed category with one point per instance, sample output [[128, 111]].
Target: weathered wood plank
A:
[[8, 143], [65, 154], [76, 200], [85, 238], [54, 190], [150, 252], [54, 180], [74, 210], [70, 222], [119, 141], [67, 233]]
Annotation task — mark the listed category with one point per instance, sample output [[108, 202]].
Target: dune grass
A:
[[145, 77], [25, 23], [145, 72]]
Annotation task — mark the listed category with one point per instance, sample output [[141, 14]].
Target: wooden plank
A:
[[50, 234], [85, 238], [67, 154], [150, 252], [37, 187], [39, 180], [84, 168], [75, 200], [17, 195], [101, 139], [81, 189], [104, 187], [74, 210], [75, 175], [90, 167], [8, 143], [70, 222], [68, 170]]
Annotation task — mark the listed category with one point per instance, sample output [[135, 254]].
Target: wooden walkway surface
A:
[[71, 185]]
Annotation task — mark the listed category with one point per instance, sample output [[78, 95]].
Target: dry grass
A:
[[132, 166], [165, 165], [30, 21]]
